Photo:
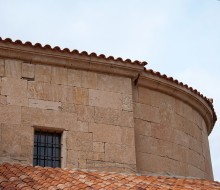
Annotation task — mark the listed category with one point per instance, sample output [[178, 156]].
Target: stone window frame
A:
[[63, 141]]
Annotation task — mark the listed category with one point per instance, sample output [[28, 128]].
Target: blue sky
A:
[[180, 38]]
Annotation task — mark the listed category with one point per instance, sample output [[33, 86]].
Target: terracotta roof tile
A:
[[53, 179], [66, 50], [209, 102]]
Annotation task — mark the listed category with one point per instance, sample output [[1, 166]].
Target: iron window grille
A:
[[47, 149]]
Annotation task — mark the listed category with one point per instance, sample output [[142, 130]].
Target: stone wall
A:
[[113, 116], [170, 136], [94, 111]]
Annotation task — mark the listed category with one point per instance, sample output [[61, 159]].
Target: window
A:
[[47, 149]]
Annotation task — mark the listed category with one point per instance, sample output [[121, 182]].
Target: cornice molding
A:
[[156, 83], [70, 60]]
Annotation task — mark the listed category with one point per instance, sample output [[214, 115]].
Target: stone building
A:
[[77, 110]]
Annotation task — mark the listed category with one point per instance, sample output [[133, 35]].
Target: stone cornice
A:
[[67, 59], [162, 85]]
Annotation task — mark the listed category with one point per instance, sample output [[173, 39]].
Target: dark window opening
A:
[[47, 149]]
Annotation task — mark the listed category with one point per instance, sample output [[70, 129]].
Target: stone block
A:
[[98, 147], [177, 122], [13, 68], [208, 168], [43, 73], [192, 129], [188, 112], [82, 164], [8, 134], [1, 132], [79, 141], [67, 107], [2, 67], [204, 131], [179, 107], [196, 132], [127, 136], [3, 99], [85, 113], [42, 104], [87, 155], [24, 134], [105, 99], [155, 98], [150, 163], [147, 113], [98, 156], [89, 79], [145, 95], [71, 165], [186, 127], [81, 126], [195, 145], [126, 119], [142, 127], [106, 133], [14, 87], [10, 114], [196, 160], [195, 172], [184, 110], [135, 93], [205, 149], [18, 147], [111, 166], [46, 91], [161, 148], [74, 77], [171, 144], [147, 144], [0, 84], [48, 118], [113, 83], [209, 177], [159, 97], [59, 75], [181, 138], [166, 113], [27, 70], [107, 116], [172, 151], [162, 132], [176, 168], [120, 153], [127, 104], [18, 101], [78, 95], [72, 158], [197, 118]]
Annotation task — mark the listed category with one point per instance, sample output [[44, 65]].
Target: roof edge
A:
[[157, 81], [66, 50]]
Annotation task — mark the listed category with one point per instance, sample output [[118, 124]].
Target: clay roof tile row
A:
[[56, 178], [171, 79], [57, 48]]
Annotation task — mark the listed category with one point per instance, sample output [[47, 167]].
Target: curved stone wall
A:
[[170, 134]]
